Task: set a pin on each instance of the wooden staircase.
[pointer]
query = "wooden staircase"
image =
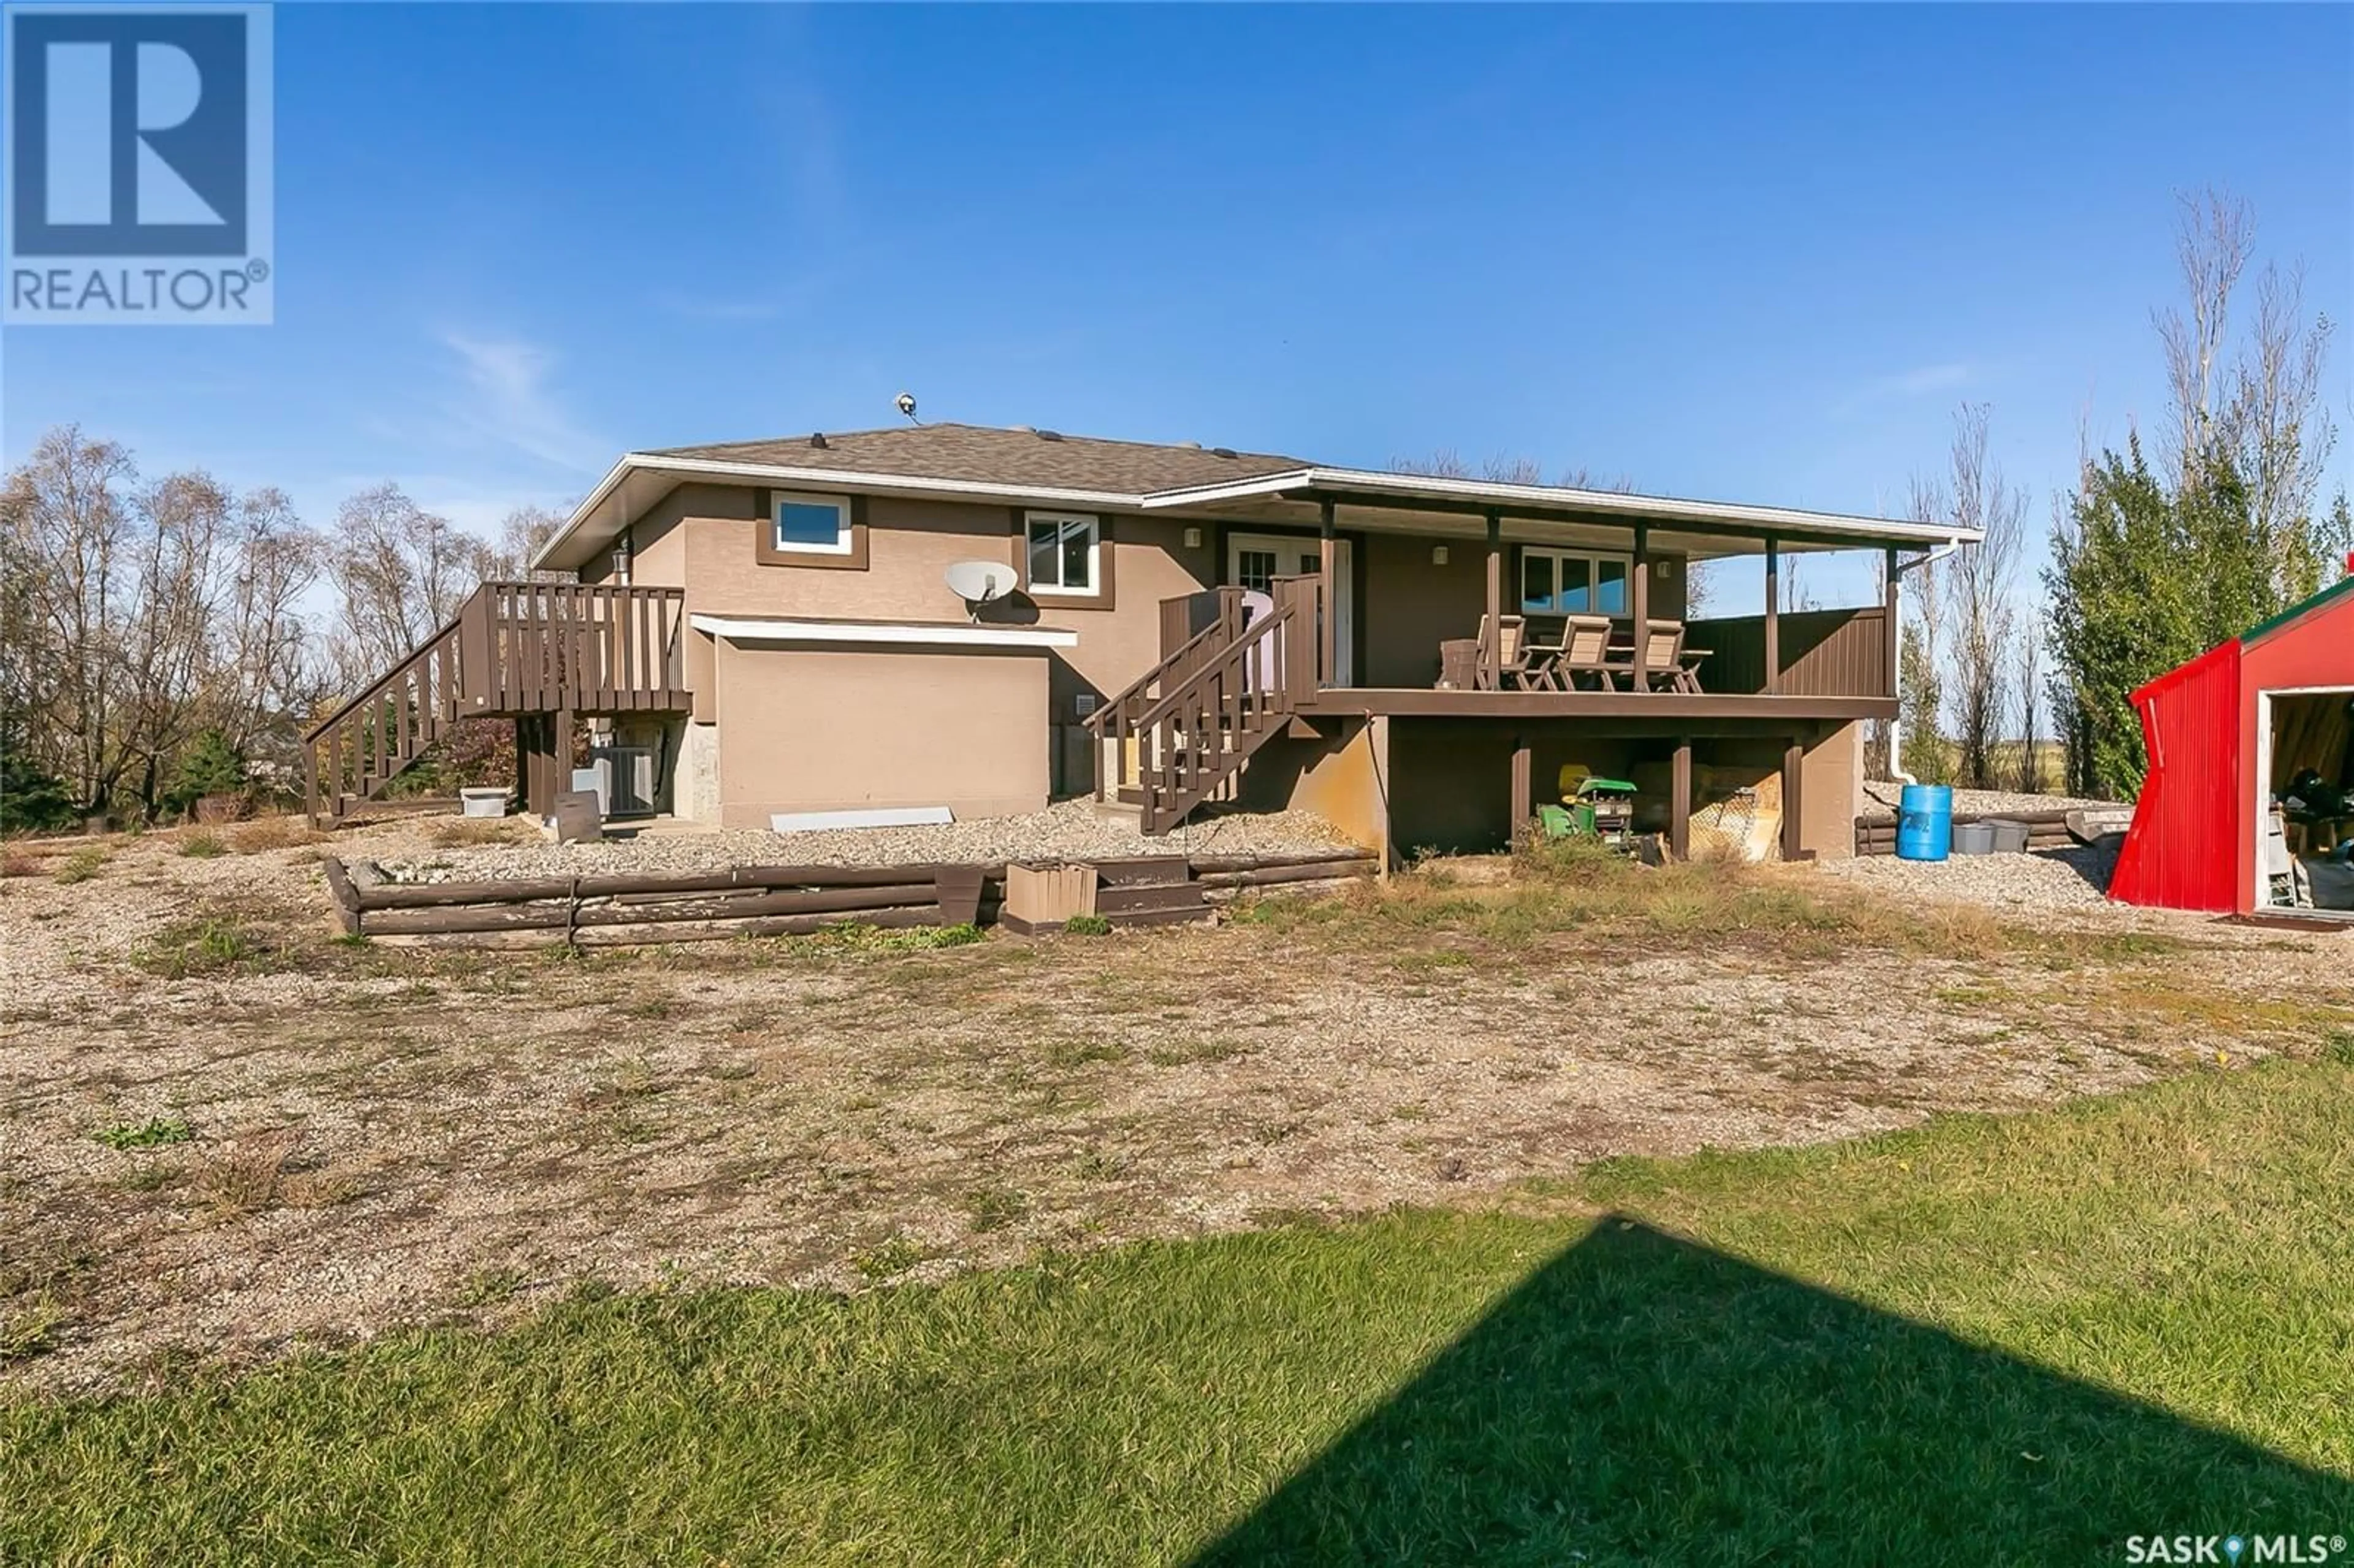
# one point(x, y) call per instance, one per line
point(515, 648)
point(1179, 734)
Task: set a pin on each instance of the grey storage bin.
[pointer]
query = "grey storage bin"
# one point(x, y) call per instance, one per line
point(2010, 837)
point(1973, 838)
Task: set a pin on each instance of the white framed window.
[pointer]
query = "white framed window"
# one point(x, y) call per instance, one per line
point(810, 524)
point(1574, 582)
point(1066, 552)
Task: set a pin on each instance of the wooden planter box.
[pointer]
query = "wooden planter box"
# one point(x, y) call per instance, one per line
point(1041, 896)
point(1147, 890)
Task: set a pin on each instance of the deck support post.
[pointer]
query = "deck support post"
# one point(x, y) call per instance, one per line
point(1773, 614)
point(1793, 763)
point(1491, 629)
point(1888, 631)
point(560, 755)
point(1638, 605)
point(1328, 609)
point(1680, 803)
point(1522, 808)
point(525, 779)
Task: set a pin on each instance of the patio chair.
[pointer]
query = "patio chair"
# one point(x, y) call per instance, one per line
point(1584, 651)
point(1661, 651)
point(1511, 648)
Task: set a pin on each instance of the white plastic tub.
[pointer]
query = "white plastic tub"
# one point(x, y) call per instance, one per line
point(482, 802)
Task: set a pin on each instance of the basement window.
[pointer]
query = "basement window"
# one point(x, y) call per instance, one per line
point(1064, 552)
point(811, 524)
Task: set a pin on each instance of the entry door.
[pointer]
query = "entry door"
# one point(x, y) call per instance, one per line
point(1256, 560)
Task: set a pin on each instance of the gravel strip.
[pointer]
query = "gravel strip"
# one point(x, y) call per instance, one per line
point(1072, 830)
point(2046, 879)
point(1884, 792)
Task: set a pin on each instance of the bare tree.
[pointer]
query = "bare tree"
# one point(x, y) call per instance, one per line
point(1797, 597)
point(399, 572)
point(1921, 684)
point(1446, 463)
point(2257, 414)
point(70, 525)
point(2277, 430)
point(268, 655)
point(175, 607)
point(2214, 236)
point(2028, 684)
point(522, 535)
point(1981, 584)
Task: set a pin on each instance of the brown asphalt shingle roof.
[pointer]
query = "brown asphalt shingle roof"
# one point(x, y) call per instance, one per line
point(984, 454)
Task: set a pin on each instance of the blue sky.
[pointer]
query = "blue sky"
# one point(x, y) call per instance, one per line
point(1755, 254)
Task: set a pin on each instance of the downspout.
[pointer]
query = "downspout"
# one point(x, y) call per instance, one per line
point(1896, 725)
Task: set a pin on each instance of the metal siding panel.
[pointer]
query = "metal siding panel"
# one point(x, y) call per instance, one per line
point(2182, 851)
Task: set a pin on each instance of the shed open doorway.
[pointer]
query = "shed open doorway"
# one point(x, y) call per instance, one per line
point(2305, 809)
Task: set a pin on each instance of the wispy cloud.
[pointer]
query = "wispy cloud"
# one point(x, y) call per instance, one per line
point(1925, 378)
point(1920, 381)
point(504, 396)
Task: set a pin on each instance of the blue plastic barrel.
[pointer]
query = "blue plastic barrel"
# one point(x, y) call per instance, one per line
point(1925, 822)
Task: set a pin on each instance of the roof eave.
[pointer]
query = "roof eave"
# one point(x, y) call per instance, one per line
point(559, 546)
point(1506, 498)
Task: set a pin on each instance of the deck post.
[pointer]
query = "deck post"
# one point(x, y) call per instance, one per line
point(1773, 614)
point(1680, 803)
point(1794, 762)
point(1888, 635)
point(1329, 606)
point(1491, 629)
point(311, 782)
point(1522, 808)
point(523, 774)
point(559, 746)
point(1638, 605)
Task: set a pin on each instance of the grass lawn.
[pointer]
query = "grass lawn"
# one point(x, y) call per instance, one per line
point(1987, 1341)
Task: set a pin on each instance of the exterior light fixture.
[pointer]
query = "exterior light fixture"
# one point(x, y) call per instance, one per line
point(1438, 555)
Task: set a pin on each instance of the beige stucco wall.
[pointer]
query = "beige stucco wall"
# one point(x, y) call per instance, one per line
point(828, 728)
point(911, 545)
point(1343, 775)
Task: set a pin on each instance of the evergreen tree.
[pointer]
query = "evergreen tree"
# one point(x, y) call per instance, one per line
point(2128, 604)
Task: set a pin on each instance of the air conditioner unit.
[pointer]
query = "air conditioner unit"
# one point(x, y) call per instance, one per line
point(625, 780)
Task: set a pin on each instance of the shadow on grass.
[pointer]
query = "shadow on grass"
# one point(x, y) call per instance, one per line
point(1641, 1398)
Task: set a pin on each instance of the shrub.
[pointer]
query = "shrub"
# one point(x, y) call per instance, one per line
point(203, 846)
point(283, 831)
point(199, 947)
point(31, 801)
point(153, 1133)
point(1087, 925)
point(211, 766)
point(81, 865)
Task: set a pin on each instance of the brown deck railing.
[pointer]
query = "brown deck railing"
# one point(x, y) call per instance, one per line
point(1182, 730)
point(513, 648)
point(600, 648)
point(1824, 653)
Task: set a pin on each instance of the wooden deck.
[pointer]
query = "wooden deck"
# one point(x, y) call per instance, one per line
point(1669, 709)
point(540, 653)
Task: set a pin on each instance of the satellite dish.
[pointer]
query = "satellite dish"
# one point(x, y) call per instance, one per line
point(978, 582)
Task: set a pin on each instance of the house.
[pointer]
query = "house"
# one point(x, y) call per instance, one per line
point(2235, 736)
point(772, 621)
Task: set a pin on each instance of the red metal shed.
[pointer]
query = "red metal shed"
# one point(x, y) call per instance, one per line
point(2196, 834)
